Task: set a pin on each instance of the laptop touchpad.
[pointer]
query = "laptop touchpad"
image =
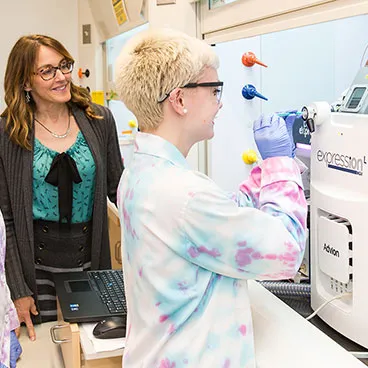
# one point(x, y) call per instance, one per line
point(75, 286)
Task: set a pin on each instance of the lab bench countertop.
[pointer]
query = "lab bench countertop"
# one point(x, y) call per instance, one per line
point(283, 339)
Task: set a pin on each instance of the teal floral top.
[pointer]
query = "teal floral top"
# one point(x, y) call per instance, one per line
point(45, 195)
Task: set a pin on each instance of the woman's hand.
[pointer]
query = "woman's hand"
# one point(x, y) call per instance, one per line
point(24, 307)
point(273, 136)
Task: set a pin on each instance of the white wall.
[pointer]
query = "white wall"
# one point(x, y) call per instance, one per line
point(90, 55)
point(55, 18)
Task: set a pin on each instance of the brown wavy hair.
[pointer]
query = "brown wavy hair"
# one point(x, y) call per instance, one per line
point(19, 72)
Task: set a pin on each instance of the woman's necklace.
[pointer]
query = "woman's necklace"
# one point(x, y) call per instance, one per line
point(59, 136)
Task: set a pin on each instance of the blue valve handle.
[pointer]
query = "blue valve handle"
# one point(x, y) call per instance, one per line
point(249, 92)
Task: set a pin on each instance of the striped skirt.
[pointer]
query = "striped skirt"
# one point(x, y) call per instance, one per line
point(58, 248)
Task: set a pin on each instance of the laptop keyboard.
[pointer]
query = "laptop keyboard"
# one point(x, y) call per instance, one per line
point(109, 284)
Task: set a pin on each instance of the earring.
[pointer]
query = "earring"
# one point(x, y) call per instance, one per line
point(185, 111)
point(28, 97)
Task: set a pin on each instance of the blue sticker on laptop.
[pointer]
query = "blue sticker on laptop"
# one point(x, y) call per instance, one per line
point(74, 307)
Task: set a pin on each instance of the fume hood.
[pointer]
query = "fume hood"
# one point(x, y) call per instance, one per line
point(113, 17)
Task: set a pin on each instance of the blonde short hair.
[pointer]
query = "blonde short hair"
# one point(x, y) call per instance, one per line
point(152, 64)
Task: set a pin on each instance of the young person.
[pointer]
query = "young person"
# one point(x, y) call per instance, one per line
point(189, 249)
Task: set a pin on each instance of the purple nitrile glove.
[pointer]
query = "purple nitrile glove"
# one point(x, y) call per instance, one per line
point(272, 137)
point(289, 121)
point(15, 349)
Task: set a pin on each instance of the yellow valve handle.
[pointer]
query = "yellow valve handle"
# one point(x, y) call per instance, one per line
point(132, 123)
point(249, 157)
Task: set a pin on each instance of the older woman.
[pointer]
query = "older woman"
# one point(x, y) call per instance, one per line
point(189, 249)
point(59, 161)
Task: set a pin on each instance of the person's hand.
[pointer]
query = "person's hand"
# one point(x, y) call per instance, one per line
point(273, 136)
point(24, 307)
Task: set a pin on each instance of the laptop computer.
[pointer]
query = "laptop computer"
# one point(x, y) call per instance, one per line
point(89, 296)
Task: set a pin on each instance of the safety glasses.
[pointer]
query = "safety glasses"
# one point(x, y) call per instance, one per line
point(217, 89)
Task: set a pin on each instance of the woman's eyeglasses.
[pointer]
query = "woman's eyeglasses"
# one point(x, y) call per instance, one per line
point(217, 89)
point(48, 72)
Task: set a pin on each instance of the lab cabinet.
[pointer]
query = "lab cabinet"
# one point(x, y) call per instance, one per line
point(227, 14)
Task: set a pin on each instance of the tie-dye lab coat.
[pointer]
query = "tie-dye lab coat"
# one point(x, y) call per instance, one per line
point(189, 249)
point(8, 314)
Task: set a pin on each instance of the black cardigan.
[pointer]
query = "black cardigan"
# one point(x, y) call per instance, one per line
point(16, 198)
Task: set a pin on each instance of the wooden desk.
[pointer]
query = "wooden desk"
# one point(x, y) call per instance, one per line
point(67, 335)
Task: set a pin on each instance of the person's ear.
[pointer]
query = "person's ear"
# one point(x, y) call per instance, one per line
point(27, 87)
point(176, 100)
